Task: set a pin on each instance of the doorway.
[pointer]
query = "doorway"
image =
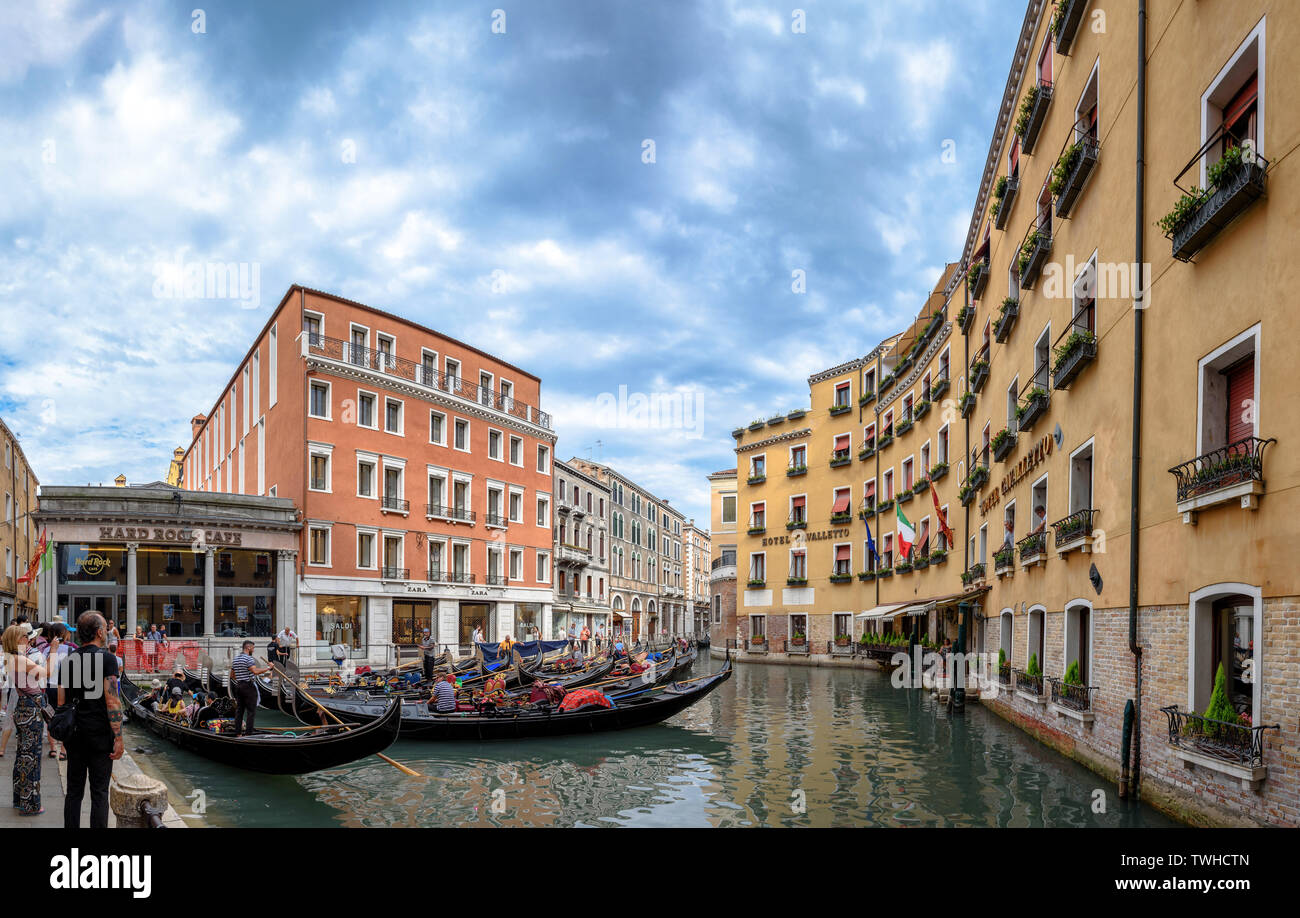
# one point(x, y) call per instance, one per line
point(410, 618)
point(472, 614)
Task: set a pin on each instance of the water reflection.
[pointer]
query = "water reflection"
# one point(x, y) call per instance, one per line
point(775, 746)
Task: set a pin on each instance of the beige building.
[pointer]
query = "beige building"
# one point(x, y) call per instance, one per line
point(18, 533)
point(722, 568)
point(1070, 382)
point(696, 553)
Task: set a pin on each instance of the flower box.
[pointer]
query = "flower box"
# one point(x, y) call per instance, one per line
point(866, 575)
point(967, 404)
point(738, 432)
point(977, 277)
point(1006, 319)
point(757, 425)
point(1001, 207)
point(885, 440)
point(845, 517)
point(965, 318)
point(1032, 408)
point(1065, 24)
point(756, 584)
point(979, 375)
point(1002, 443)
point(965, 494)
point(904, 426)
point(1071, 173)
point(939, 387)
point(794, 470)
point(885, 506)
point(756, 479)
point(757, 530)
point(795, 415)
point(938, 471)
point(1072, 356)
point(840, 461)
point(939, 556)
point(903, 567)
point(1202, 215)
point(922, 485)
point(866, 453)
point(841, 578)
point(920, 410)
point(866, 399)
point(1033, 255)
point(905, 496)
point(778, 419)
point(1029, 119)
point(885, 572)
point(796, 581)
point(837, 410)
point(797, 524)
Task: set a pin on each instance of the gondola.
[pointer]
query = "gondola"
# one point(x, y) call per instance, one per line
point(273, 753)
point(594, 671)
point(638, 710)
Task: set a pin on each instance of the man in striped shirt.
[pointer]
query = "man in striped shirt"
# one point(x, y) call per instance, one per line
point(242, 670)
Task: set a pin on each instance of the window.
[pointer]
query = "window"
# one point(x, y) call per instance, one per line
point(1045, 62)
point(1043, 358)
point(365, 550)
point(311, 324)
point(1081, 478)
point(544, 512)
point(516, 506)
point(485, 388)
point(889, 484)
point(318, 538)
point(437, 493)
point(907, 474)
point(437, 553)
point(543, 567)
point(1229, 393)
point(366, 410)
point(438, 428)
point(1013, 402)
point(798, 457)
point(758, 515)
point(1235, 101)
point(758, 466)
point(393, 415)
point(320, 469)
point(544, 460)
point(729, 508)
point(320, 400)
point(843, 392)
point(758, 566)
point(462, 435)
point(887, 553)
point(428, 367)
point(1086, 112)
point(798, 564)
point(1085, 297)
point(517, 564)
point(798, 509)
point(517, 454)
point(843, 559)
point(494, 445)
point(393, 490)
point(1078, 638)
point(453, 375)
point(841, 448)
point(366, 477)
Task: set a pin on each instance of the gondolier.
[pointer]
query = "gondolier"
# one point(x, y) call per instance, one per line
point(242, 670)
point(430, 648)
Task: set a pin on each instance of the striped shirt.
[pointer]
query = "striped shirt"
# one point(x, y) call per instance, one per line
point(444, 696)
point(241, 666)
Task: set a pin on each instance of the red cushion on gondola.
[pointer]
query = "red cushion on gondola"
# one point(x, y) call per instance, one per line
point(581, 697)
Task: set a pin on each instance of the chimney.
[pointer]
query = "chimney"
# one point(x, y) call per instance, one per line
point(196, 424)
point(120, 481)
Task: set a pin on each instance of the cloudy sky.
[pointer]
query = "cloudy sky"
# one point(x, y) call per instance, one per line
point(496, 185)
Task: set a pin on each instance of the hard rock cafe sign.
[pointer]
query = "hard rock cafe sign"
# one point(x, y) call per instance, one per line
point(158, 534)
point(1035, 456)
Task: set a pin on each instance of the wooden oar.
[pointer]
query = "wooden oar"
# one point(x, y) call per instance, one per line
point(303, 691)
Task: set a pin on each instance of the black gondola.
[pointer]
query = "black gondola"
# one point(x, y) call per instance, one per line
point(636, 710)
point(273, 753)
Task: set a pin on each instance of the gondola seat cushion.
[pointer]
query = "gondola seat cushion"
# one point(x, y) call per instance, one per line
point(582, 698)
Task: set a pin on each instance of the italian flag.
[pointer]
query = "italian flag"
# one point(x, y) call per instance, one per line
point(906, 534)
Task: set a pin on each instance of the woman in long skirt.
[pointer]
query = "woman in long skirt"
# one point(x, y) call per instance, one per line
point(27, 677)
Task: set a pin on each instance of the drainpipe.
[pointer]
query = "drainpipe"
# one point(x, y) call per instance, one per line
point(1134, 777)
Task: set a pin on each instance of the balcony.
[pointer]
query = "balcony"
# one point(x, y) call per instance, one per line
point(973, 574)
point(757, 644)
point(1032, 549)
point(979, 374)
point(1032, 407)
point(383, 367)
point(966, 404)
point(756, 479)
point(396, 573)
point(1004, 562)
point(1066, 23)
point(496, 520)
point(452, 514)
point(1006, 318)
point(1073, 167)
point(500, 580)
point(977, 277)
point(572, 554)
point(1032, 113)
point(1078, 350)
point(965, 319)
point(920, 409)
point(757, 526)
point(1074, 531)
point(837, 410)
point(391, 504)
point(1236, 750)
point(1034, 250)
point(1235, 181)
point(457, 577)
point(1030, 686)
point(940, 386)
point(938, 470)
point(1072, 700)
point(1229, 474)
point(1003, 442)
point(1003, 203)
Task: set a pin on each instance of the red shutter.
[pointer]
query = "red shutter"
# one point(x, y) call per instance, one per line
point(842, 442)
point(758, 508)
point(1244, 98)
point(1015, 156)
point(1241, 392)
point(841, 553)
point(841, 502)
point(798, 502)
point(871, 488)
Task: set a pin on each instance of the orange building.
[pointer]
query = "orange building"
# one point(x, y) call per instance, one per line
point(421, 467)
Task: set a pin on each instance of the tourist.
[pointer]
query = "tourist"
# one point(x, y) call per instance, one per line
point(242, 670)
point(155, 645)
point(585, 638)
point(175, 708)
point(478, 633)
point(227, 630)
point(176, 681)
point(26, 675)
point(1040, 520)
point(151, 700)
point(288, 644)
point(89, 680)
point(339, 654)
point(444, 695)
point(430, 648)
point(60, 633)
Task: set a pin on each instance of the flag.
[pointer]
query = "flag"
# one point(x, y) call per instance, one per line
point(871, 545)
point(938, 515)
point(36, 560)
point(906, 534)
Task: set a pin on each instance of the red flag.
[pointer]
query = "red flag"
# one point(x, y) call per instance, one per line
point(36, 560)
point(938, 514)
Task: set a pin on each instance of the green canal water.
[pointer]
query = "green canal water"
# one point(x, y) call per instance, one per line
point(775, 746)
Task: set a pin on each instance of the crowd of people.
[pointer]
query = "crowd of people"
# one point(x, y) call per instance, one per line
point(47, 669)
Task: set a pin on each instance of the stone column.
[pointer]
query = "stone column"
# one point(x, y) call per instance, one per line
point(284, 583)
point(132, 589)
point(209, 592)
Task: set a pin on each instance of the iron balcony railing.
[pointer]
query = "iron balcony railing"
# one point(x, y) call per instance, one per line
point(495, 580)
point(1034, 398)
point(1076, 161)
point(1078, 525)
point(1037, 114)
point(395, 503)
point(1032, 685)
point(1031, 545)
point(1240, 744)
point(495, 519)
point(1221, 468)
point(1004, 676)
point(1072, 696)
point(423, 374)
point(1075, 347)
point(396, 573)
point(449, 513)
point(1213, 208)
point(726, 559)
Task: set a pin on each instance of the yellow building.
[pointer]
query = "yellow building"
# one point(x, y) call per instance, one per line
point(18, 534)
point(1119, 344)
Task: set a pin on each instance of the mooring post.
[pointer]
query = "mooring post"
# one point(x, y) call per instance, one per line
point(959, 672)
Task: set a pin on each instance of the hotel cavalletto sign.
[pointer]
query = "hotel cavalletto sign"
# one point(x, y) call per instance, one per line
point(158, 534)
point(1035, 456)
point(807, 536)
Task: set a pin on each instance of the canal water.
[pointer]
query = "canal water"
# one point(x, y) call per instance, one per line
point(774, 746)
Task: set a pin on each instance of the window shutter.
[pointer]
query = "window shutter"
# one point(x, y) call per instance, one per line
point(842, 442)
point(1241, 389)
point(799, 502)
point(842, 553)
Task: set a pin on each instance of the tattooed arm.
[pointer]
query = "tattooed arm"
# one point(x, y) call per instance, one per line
point(114, 702)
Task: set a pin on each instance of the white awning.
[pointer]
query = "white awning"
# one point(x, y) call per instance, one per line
point(880, 611)
point(916, 608)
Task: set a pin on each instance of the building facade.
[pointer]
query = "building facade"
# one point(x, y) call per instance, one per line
point(421, 466)
point(647, 593)
point(722, 564)
point(1015, 407)
point(697, 549)
point(18, 532)
point(581, 551)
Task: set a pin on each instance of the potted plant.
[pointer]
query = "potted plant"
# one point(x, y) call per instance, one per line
point(1004, 558)
point(738, 432)
point(938, 556)
point(1033, 669)
point(1027, 250)
point(756, 584)
point(999, 192)
point(1073, 343)
point(758, 639)
point(1026, 111)
point(1065, 164)
point(966, 403)
point(965, 316)
point(866, 452)
point(796, 470)
point(757, 424)
point(798, 639)
point(840, 409)
point(866, 575)
point(1072, 674)
point(795, 414)
point(921, 408)
point(1029, 409)
point(1002, 442)
point(796, 581)
point(938, 471)
point(843, 640)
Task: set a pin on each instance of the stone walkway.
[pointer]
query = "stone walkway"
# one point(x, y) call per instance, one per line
point(54, 777)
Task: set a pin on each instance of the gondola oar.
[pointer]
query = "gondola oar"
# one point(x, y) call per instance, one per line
point(410, 771)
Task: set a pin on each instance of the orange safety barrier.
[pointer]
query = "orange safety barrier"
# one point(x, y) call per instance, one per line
point(159, 656)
